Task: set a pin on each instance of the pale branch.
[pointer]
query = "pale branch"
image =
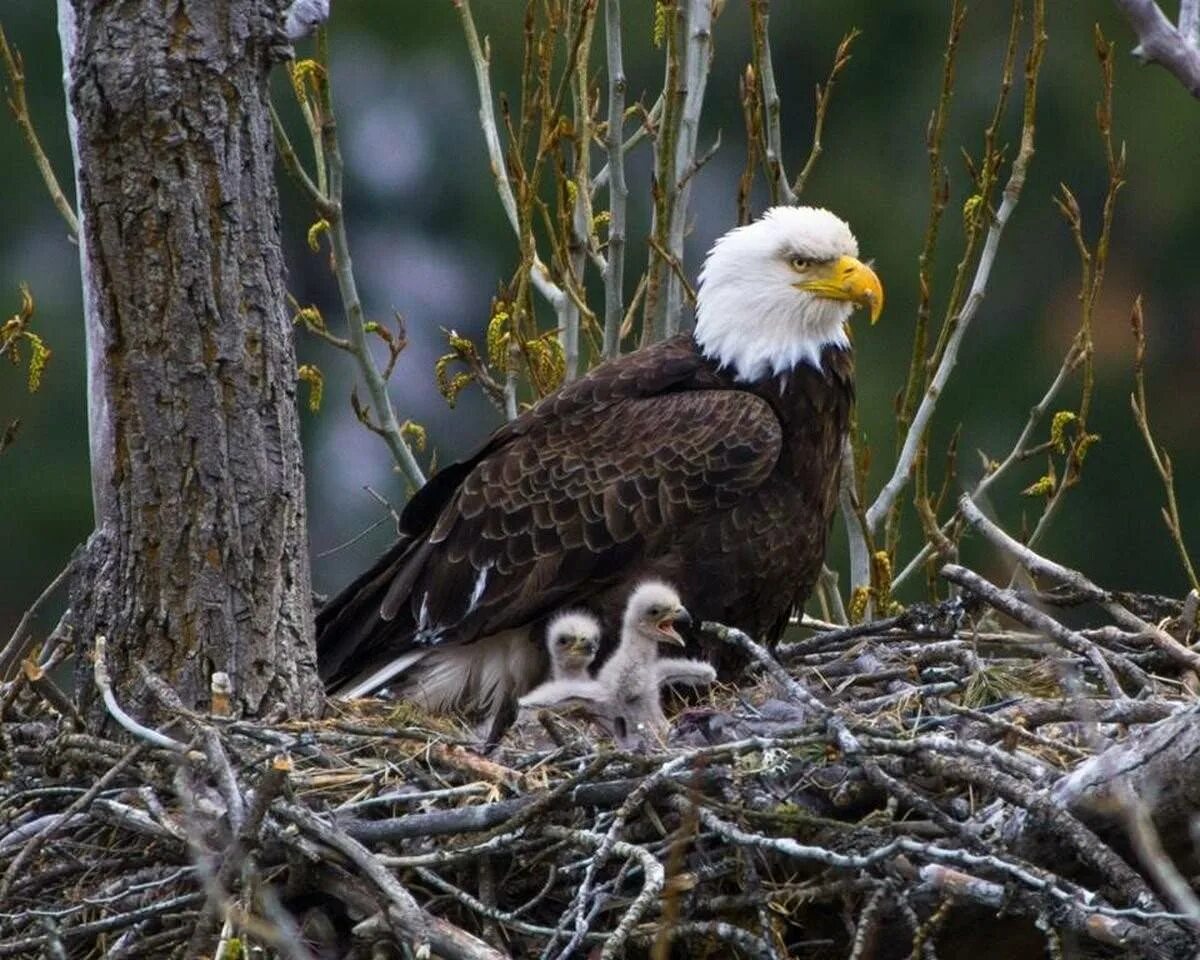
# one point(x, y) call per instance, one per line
point(117, 712)
point(15, 69)
point(580, 231)
point(389, 426)
point(665, 187)
point(539, 274)
point(1018, 452)
point(411, 917)
point(697, 61)
point(101, 425)
point(1189, 21)
point(653, 878)
point(645, 129)
point(291, 163)
point(777, 179)
point(1007, 602)
point(1176, 50)
point(828, 582)
point(1012, 193)
point(510, 380)
point(854, 520)
point(618, 192)
point(1038, 565)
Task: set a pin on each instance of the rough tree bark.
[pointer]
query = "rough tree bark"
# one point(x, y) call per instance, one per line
point(199, 560)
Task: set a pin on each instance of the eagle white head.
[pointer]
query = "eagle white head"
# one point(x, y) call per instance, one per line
point(651, 613)
point(774, 293)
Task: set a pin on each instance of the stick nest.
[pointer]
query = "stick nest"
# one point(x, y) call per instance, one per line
point(888, 790)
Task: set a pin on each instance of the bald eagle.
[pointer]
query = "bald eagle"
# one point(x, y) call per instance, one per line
point(709, 460)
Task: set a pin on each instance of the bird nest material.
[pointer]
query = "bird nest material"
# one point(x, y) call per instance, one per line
point(892, 789)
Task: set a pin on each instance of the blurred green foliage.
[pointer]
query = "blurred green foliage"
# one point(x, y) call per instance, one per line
point(431, 241)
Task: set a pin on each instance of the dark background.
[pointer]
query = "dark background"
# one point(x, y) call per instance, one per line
point(429, 240)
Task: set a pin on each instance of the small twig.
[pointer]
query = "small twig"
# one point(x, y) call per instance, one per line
point(824, 95)
point(538, 273)
point(18, 646)
point(777, 179)
point(676, 268)
point(411, 917)
point(1017, 452)
point(1036, 564)
point(1006, 602)
point(291, 162)
point(645, 129)
point(343, 267)
point(35, 843)
point(103, 681)
point(785, 680)
point(24, 947)
point(949, 357)
point(653, 877)
point(14, 67)
point(45, 687)
point(1162, 462)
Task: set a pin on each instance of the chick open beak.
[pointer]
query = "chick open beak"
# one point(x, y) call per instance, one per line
point(667, 627)
point(848, 278)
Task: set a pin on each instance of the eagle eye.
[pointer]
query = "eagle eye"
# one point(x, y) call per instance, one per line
point(799, 262)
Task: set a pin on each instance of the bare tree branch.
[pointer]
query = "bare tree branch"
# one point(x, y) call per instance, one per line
point(389, 426)
point(697, 59)
point(1189, 21)
point(1012, 194)
point(1176, 50)
point(614, 276)
point(540, 273)
point(14, 67)
point(777, 178)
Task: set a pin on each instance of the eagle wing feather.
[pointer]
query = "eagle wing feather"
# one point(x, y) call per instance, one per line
point(557, 505)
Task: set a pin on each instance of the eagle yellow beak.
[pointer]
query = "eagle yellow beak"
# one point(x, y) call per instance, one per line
point(848, 278)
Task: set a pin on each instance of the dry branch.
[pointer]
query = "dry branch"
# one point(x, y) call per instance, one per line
point(1177, 50)
point(589, 845)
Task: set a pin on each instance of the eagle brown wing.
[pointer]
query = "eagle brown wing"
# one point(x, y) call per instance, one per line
point(564, 509)
point(560, 504)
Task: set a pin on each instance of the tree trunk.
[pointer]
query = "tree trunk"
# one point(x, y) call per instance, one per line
point(199, 561)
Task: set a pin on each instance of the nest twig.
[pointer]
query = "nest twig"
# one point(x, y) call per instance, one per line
point(892, 776)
